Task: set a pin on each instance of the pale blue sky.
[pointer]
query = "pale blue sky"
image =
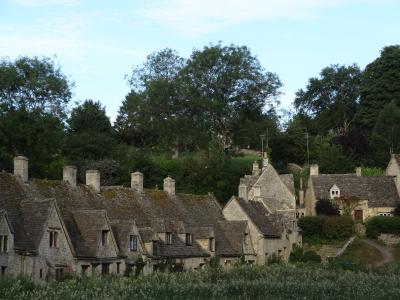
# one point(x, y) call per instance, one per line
point(98, 42)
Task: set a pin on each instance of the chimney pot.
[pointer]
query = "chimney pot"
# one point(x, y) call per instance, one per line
point(243, 191)
point(169, 186)
point(21, 164)
point(256, 168)
point(69, 175)
point(359, 171)
point(93, 179)
point(314, 170)
point(137, 181)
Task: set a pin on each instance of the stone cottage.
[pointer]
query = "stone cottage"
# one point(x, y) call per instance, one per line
point(50, 228)
point(267, 202)
point(361, 196)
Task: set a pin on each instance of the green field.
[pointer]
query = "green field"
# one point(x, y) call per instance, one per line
point(325, 281)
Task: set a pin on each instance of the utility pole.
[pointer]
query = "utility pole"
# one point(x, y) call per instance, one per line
point(308, 151)
point(262, 136)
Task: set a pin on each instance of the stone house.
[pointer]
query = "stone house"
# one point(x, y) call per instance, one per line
point(51, 228)
point(361, 196)
point(267, 202)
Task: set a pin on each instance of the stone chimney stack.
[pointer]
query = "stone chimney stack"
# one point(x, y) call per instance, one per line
point(243, 191)
point(257, 190)
point(301, 193)
point(314, 170)
point(69, 175)
point(93, 179)
point(256, 168)
point(358, 171)
point(265, 160)
point(169, 186)
point(21, 164)
point(137, 181)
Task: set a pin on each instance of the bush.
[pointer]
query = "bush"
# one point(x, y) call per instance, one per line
point(338, 227)
point(379, 224)
point(296, 255)
point(274, 259)
point(326, 208)
point(312, 257)
point(312, 225)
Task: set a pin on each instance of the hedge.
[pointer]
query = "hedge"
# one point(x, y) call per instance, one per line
point(327, 227)
point(380, 224)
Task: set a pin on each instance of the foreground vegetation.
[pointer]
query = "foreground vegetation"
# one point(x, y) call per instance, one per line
point(327, 281)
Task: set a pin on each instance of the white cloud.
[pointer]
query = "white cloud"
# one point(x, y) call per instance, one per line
point(44, 2)
point(193, 17)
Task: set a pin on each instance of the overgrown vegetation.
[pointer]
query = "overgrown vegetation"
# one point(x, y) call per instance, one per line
point(325, 229)
point(278, 281)
point(380, 224)
point(360, 253)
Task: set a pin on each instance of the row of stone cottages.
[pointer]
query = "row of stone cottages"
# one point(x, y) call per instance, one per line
point(50, 228)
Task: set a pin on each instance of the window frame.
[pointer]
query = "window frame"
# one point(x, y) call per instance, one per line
point(3, 243)
point(105, 237)
point(211, 244)
point(189, 239)
point(53, 238)
point(168, 238)
point(133, 241)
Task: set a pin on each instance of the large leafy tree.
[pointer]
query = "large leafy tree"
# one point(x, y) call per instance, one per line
point(379, 86)
point(225, 85)
point(332, 99)
point(89, 134)
point(33, 84)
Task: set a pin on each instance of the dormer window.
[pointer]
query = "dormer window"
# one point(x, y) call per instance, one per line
point(3, 243)
point(334, 192)
point(246, 238)
point(168, 238)
point(189, 239)
point(53, 238)
point(104, 237)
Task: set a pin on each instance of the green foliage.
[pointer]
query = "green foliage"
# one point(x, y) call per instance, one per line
point(326, 207)
point(90, 135)
point(278, 281)
point(33, 84)
point(311, 257)
point(311, 225)
point(365, 171)
point(274, 259)
point(338, 227)
point(380, 224)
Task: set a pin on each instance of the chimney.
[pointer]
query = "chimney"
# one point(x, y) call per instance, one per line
point(69, 175)
point(265, 160)
point(137, 181)
point(21, 167)
point(243, 191)
point(169, 186)
point(358, 171)
point(301, 198)
point(257, 190)
point(314, 170)
point(256, 168)
point(93, 179)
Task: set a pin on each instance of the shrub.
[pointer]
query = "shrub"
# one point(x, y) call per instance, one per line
point(379, 224)
point(274, 259)
point(312, 225)
point(326, 207)
point(296, 255)
point(312, 257)
point(338, 227)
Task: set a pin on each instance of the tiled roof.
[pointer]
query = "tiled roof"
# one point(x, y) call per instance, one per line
point(380, 191)
point(288, 180)
point(257, 213)
point(230, 239)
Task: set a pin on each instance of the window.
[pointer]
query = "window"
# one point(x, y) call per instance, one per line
point(105, 268)
point(3, 270)
point(118, 267)
point(188, 239)
point(246, 238)
point(168, 238)
point(155, 248)
point(41, 273)
point(3, 243)
point(104, 237)
point(211, 244)
point(133, 241)
point(53, 239)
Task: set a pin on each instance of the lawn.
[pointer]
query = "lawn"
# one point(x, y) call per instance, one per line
point(326, 281)
point(361, 253)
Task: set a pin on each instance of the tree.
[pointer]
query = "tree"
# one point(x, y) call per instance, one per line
point(225, 85)
point(89, 134)
point(385, 136)
point(326, 208)
point(332, 99)
point(33, 84)
point(379, 86)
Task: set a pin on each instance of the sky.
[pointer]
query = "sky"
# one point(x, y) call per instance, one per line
point(98, 42)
